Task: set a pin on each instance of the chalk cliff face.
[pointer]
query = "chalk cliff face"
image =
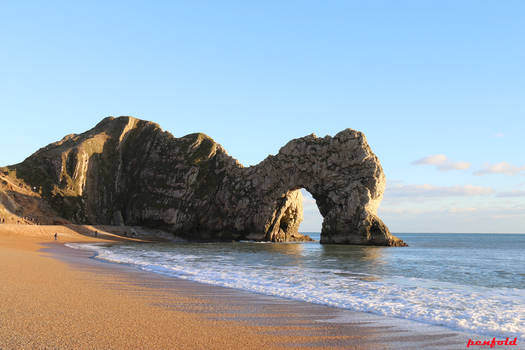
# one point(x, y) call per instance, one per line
point(130, 171)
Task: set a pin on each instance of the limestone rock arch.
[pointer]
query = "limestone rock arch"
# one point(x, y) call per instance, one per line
point(344, 177)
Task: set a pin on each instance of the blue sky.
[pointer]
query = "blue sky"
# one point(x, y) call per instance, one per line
point(442, 83)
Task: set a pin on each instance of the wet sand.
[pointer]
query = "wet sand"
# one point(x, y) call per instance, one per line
point(55, 297)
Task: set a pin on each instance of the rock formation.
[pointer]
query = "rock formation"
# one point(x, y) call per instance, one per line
point(130, 171)
point(19, 204)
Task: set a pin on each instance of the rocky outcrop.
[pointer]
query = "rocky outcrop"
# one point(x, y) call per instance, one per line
point(130, 171)
point(343, 175)
point(19, 204)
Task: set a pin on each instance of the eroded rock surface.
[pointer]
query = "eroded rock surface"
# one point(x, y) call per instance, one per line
point(129, 171)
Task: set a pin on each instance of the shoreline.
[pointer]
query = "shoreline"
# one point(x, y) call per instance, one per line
point(219, 317)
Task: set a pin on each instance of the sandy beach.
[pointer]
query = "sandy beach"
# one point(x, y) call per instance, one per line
point(55, 297)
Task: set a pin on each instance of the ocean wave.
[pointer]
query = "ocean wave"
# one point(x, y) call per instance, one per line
point(489, 311)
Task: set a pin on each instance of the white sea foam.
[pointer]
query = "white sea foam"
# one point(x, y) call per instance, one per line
point(490, 311)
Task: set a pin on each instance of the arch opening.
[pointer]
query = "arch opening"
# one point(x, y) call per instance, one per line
point(312, 219)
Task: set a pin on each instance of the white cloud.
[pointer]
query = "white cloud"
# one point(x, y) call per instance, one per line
point(461, 210)
point(499, 135)
point(514, 193)
point(487, 219)
point(501, 168)
point(386, 210)
point(426, 190)
point(442, 163)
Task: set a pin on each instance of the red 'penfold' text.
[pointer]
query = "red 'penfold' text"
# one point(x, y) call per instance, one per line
point(492, 343)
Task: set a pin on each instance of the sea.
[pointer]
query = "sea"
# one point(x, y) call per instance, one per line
point(467, 282)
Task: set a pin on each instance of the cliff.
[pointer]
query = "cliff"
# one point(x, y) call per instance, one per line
point(129, 171)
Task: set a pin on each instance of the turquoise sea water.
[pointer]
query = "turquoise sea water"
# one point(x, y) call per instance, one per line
point(469, 282)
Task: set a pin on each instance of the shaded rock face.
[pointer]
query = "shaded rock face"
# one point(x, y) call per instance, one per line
point(129, 171)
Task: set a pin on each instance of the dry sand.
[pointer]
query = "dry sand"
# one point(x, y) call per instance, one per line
point(53, 297)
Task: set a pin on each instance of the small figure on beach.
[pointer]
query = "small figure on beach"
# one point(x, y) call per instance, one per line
point(96, 233)
point(56, 235)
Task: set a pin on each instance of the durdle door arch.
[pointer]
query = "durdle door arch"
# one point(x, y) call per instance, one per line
point(344, 177)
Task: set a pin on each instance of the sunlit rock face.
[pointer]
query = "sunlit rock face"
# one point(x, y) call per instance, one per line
point(344, 177)
point(130, 171)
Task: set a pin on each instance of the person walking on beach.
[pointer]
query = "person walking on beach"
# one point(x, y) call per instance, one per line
point(56, 235)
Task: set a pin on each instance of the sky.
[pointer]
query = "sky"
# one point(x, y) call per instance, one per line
point(437, 87)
